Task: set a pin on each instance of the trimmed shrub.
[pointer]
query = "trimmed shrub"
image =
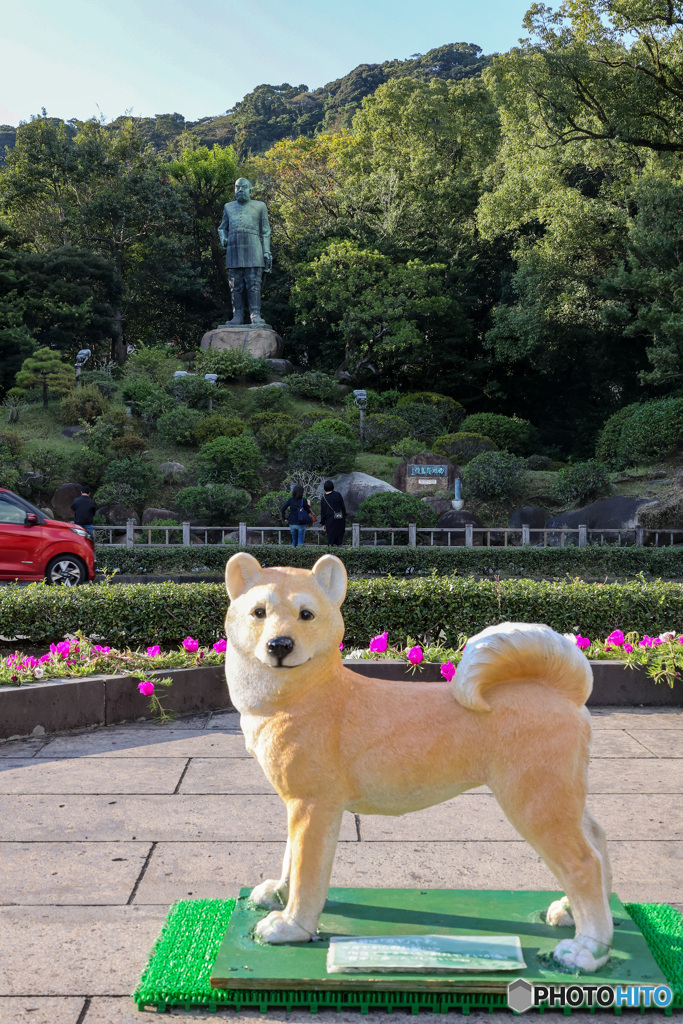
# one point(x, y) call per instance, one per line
point(102, 380)
point(461, 447)
point(323, 454)
point(641, 433)
point(154, 406)
point(47, 464)
point(11, 446)
point(271, 504)
point(221, 504)
point(426, 421)
point(582, 482)
point(452, 412)
point(274, 431)
point(394, 508)
point(312, 385)
point(270, 398)
point(540, 463)
point(407, 447)
point(333, 425)
point(494, 475)
point(215, 425)
point(383, 429)
point(83, 403)
point(129, 481)
point(138, 389)
point(311, 416)
point(192, 390)
point(507, 432)
point(231, 460)
point(178, 426)
point(231, 364)
point(129, 445)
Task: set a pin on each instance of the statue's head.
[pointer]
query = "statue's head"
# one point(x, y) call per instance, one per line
point(242, 190)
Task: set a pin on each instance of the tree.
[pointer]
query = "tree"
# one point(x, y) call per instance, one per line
point(45, 369)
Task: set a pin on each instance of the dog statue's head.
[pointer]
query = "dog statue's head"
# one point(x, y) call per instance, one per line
point(284, 618)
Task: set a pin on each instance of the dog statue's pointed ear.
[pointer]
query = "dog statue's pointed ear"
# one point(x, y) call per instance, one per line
point(330, 574)
point(241, 573)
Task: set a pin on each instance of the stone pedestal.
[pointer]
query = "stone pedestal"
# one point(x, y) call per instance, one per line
point(260, 342)
point(426, 474)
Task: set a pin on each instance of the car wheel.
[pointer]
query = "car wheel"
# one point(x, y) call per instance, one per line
point(66, 571)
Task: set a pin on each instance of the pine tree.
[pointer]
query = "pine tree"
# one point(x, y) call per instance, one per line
point(46, 369)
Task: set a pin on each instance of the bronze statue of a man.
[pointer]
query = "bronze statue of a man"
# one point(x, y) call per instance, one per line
point(245, 235)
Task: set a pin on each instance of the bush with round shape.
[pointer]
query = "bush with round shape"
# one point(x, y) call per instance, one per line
point(407, 447)
point(461, 447)
point(382, 429)
point(270, 398)
point(377, 401)
point(231, 364)
point(323, 454)
point(582, 482)
point(156, 364)
point(426, 421)
point(313, 384)
point(11, 446)
point(215, 425)
point(271, 504)
point(494, 476)
point(138, 389)
point(83, 403)
point(539, 463)
point(100, 379)
point(507, 432)
point(643, 432)
point(452, 412)
point(192, 390)
point(177, 426)
point(394, 508)
point(219, 503)
point(311, 416)
point(274, 431)
point(128, 480)
point(231, 460)
point(153, 408)
point(336, 426)
point(129, 445)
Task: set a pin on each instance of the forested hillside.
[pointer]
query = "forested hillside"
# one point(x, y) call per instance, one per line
point(503, 230)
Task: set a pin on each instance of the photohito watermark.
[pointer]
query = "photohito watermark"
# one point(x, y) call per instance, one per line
point(522, 996)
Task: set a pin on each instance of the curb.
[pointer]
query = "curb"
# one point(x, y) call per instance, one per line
point(61, 705)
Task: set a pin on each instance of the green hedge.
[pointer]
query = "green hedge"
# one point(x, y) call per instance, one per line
point(399, 561)
point(165, 613)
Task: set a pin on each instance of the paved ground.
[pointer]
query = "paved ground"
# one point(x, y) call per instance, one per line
point(101, 831)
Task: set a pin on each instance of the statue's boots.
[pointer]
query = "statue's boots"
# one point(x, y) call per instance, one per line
point(254, 294)
point(237, 316)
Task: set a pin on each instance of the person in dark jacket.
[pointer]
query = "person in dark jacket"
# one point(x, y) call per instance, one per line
point(296, 514)
point(333, 515)
point(83, 509)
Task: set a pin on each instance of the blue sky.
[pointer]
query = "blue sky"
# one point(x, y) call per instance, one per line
point(77, 58)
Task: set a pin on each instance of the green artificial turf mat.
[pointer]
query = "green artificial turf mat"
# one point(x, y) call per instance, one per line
point(178, 973)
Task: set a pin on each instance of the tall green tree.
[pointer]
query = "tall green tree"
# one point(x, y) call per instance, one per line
point(45, 369)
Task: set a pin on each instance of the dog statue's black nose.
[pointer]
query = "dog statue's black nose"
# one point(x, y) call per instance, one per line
point(280, 646)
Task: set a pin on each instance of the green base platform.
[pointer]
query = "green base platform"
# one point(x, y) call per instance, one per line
point(207, 944)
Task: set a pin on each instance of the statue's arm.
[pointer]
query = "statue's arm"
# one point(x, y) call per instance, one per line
point(265, 238)
point(223, 227)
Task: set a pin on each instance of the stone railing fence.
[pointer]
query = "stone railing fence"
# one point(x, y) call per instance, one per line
point(411, 535)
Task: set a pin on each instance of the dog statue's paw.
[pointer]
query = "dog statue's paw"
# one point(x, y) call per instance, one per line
point(559, 914)
point(271, 895)
point(582, 953)
point(276, 929)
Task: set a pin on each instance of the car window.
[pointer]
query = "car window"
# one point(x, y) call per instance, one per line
point(11, 513)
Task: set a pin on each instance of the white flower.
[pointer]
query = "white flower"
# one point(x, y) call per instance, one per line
point(667, 636)
point(39, 672)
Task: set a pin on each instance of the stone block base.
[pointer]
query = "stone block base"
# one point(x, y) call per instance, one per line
point(261, 342)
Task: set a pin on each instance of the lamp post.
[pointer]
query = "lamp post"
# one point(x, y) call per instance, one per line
point(361, 399)
point(81, 359)
point(212, 378)
point(457, 502)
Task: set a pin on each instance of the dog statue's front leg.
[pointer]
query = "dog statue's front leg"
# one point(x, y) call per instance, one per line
point(273, 894)
point(313, 834)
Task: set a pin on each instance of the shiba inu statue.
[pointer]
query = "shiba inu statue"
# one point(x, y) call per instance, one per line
point(330, 740)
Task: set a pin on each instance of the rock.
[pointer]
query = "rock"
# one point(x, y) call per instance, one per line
point(115, 514)
point(149, 514)
point(261, 342)
point(425, 474)
point(47, 512)
point(172, 471)
point(355, 487)
point(439, 506)
point(458, 520)
point(530, 515)
point(71, 432)
point(281, 366)
point(618, 513)
point(62, 498)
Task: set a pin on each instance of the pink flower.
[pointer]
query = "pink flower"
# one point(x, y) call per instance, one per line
point(615, 639)
point(378, 644)
point(12, 658)
point(146, 687)
point(27, 663)
point(415, 655)
point(582, 642)
point(46, 657)
point(341, 647)
point(62, 648)
point(448, 670)
point(100, 650)
point(200, 655)
point(153, 651)
point(647, 641)
point(628, 648)
point(220, 646)
point(190, 645)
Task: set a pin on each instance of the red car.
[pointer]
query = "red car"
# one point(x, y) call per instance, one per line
point(33, 547)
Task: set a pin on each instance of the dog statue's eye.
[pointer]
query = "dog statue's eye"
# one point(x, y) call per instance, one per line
point(259, 613)
point(306, 615)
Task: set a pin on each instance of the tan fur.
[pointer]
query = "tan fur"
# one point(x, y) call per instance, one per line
point(330, 740)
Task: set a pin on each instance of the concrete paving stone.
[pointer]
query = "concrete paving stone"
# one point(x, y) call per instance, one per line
point(223, 775)
point(40, 1010)
point(41, 874)
point(59, 951)
point(637, 718)
point(147, 818)
point(192, 722)
point(647, 872)
point(20, 748)
point(620, 775)
point(92, 775)
point(229, 720)
point(124, 742)
point(611, 743)
point(662, 742)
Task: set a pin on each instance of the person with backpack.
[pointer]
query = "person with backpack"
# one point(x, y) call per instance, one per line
point(297, 514)
point(333, 515)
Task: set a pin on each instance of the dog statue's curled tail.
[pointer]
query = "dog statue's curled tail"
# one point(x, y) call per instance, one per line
point(330, 740)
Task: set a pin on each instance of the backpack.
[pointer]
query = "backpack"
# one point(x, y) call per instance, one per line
point(302, 515)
